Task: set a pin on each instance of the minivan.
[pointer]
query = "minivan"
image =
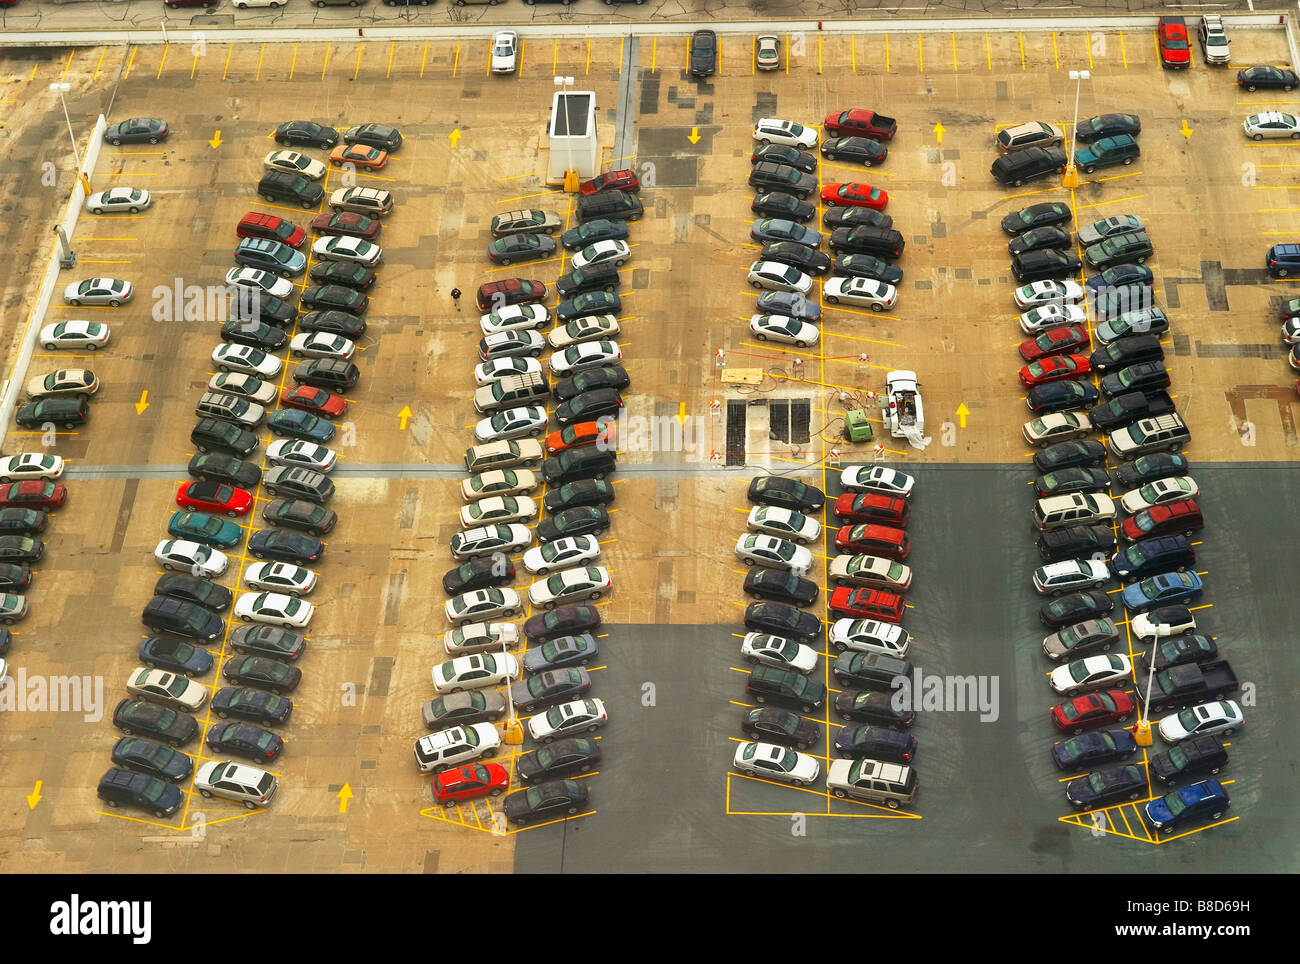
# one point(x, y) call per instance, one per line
point(856, 741)
point(1151, 556)
point(283, 186)
point(1077, 509)
point(884, 243)
point(603, 276)
point(511, 391)
point(118, 787)
point(298, 483)
point(785, 687)
point(873, 780)
point(872, 507)
point(230, 407)
point(1283, 260)
point(163, 614)
point(870, 636)
point(503, 455)
point(369, 201)
point(615, 205)
point(872, 670)
point(218, 435)
point(1149, 435)
point(1015, 169)
point(335, 374)
point(67, 412)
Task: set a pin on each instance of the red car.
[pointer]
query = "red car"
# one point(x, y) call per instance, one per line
point(509, 291)
point(346, 222)
point(1173, 518)
point(1054, 341)
point(215, 497)
point(315, 400)
point(33, 495)
point(854, 195)
point(359, 155)
point(1091, 711)
point(860, 123)
point(867, 604)
point(1175, 50)
point(581, 433)
point(468, 782)
point(1053, 368)
point(257, 225)
point(874, 540)
point(624, 180)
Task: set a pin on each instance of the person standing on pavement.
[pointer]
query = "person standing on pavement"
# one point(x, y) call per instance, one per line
point(455, 297)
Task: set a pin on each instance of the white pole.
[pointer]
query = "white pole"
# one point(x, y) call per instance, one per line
point(1078, 76)
point(71, 136)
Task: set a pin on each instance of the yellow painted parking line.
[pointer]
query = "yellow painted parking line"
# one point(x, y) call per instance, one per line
point(67, 65)
point(954, 51)
point(1123, 53)
point(99, 64)
point(391, 47)
point(853, 53)
point(886, 53)
point(325, 67)
point(988, 51)
point(920, 54)
point(1046, 190)
point(455, 63)
point(1118, 200)
point(1056, 51)
point(654, 55)
point(1116, 177)
point(356, 70)
point(1022, 50)
point(89, 261)
point(1272, 143)
point(129, 63)
point(424, 56)
point(1087, 42)
point(162, 63)
point(260, 55)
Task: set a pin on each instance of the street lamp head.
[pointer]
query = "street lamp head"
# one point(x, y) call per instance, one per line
point(61, 88)
point(1081, 75)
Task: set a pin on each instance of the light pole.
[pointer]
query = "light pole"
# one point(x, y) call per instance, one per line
point(570, 184)
point(62, 89)
point(1071, 178)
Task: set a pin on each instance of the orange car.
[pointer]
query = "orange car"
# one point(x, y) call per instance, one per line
point(359, 155)
point(581, 433)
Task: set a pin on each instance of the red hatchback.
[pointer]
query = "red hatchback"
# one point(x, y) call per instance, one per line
point(315, 400)
point(867, 604)
point(1173, 518)
point(1055, 341)
point(509, 291)
point(854, 195)
point(33, 495)
point(624, 180)
point(215, 497)
point(346, 222)
point(468, 782)
point(1053, 368)
point(256, 225)
point(581, 433)
point(1091, 711)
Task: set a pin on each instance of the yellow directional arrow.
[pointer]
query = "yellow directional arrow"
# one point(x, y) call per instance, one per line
point(216, 140)
point(962, 412)
point(344, 796)
point(694, 135)
point(1186, 131)
point(34, 797)
point(938, 132)
point(681, 414)
point(141, 405)
point(404, 414)
point(454, 136)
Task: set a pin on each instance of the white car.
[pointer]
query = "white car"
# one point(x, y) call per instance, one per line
point(498, 508)
point(321, 344)
point(1291, 331)
point(877, 478)
point(1069, 575)
point(259, 282)
point(498, 482)
point(512, 423)
point(1155, 624)
point(499, 368)
point(1038, 293)
point(486, 540)
point(561, 554)
point(783, 329)
point(775, 276)
point(784, 524)
point(773, 130)
point(510, 344)
point(247, 359)
point(29, 465)
point(476, 637)
point(578, 716)
point(280, 577)
point(586, 354)
point(291, 162)
point(774, 762)
point(168, 689)
point(1158, 493)
point(81, 335)
point(482, 604)
point(767, 52)
point(181, 555)
point(99, 291)
point(245, 386)
point(274, 609)
point(587, 328)
point(1040, 319)
point(1056, 427)
point(1272, 123)
point(251, 786)
point(874, 571)
point(603, 252)
point(515, 316)
point(119, 200)
point(505, 52)
point(1214, 41)
point(778, 651)
point(570, 585)
point(474, 671)
point(273, 4)
point(1090, 673)
point(1222, 717)
point(306, 455)
point(333, 247)
point(755, 549)
point(456, 746)
point(866, 292)
point(870, 636)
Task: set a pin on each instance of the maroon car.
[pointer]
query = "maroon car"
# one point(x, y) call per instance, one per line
point(1092, 711)
point(1055, 341)
point(346, 222)
point(33, 495)
point(509, 291)
point(624, 180)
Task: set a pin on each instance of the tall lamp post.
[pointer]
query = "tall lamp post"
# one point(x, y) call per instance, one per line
point(62, 89)
point(1071, 178)
point(570, 175)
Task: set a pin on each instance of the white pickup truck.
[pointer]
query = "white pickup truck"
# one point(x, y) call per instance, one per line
point(902, 412)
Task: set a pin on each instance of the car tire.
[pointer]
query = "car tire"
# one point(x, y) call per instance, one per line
point(892, 804)
point(1091, 169)
point(116, 142)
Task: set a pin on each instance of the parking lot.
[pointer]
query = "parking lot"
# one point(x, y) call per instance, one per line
point(1215, 202)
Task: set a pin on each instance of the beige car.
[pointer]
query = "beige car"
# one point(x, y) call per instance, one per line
point(363, 200)
point(498, 508)
point(874, 571)
point(291, 162)
point(1033, 134)
point(245, 386)
point(498, 482)
point(589, 328)
point(531, 221)
point(78, 382)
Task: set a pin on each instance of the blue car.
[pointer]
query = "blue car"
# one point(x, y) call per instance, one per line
point(1283, 260)
point(207, 529)
point(601, 229)
point(296, 423)
point(175, 656)
point(1162, 590)
point(1121, 276)
point(780, 229)
point(1061, 396)
point(273, 256)
point(1206, 799)
point(589, 303)
point(284, 546)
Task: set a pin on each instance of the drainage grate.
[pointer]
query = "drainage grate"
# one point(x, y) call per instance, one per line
point(735, 433)
point(778, 420)
point(800, 415)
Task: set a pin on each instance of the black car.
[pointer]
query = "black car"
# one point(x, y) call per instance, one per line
point(1124, 352)
point(772, 176)
point(589, 406)
point(590, 380)
point(152, 759)
point(771, 684)
point(784, 154)
point(244, 740)
point(780, 585)
point(858, 742)
point(267, 641)
point(563, 651)
point(782, 620)
point(345, 273)
point(1049, 264)
point(1267, 78)
point(1190, 758)
point(137, 130)
point(334, 297)
point(806, 259)
point(778, 204)
point(253, 705)
point(868, 266)
point(564, 621)
point(1106, 786)
point(21, 549)
point(1089, 749)
point(333, 374)
point(336, 322)
point(1075, 542)
point(1039, 239)
point(547, 801)
point(704, 53)
point(1109, 303)
point(550, 687)
point(150, 719)
point(589, 232)
point(268, 674)
point(786, 494)
point(1068, 455)
point(602, 276)
point(589, 303)
point(1067, 481)
point(838, 217)
point(557, 760)
point(571, 495)
point(14, 577)
point(1107, 125)
point(1075, 607)
point(6, 639)
point(175, 656)
point(216, 467)
point(864, 150)
point(790, 304)
point(258, 334)
point(1150, 468)
point(882, 242)
point(299, 514)
point(123, 788)
point(873, 706)
point(578, 521)
point(193, 589)
point(1147, 376)
point(1178, 651)
point(284, 546)
point(471, 706)
point(24, 522)
point(265, 307)
point(484, 572)
point(375, 135)
point(1042, 215)
point(162, 614)
point(1128, 408)
point(772, 725)
point(306, 134)
point(1060, 396)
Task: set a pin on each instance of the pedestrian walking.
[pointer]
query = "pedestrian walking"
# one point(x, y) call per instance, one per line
point(455, 297)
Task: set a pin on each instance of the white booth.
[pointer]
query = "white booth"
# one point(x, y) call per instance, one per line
point(573, 143)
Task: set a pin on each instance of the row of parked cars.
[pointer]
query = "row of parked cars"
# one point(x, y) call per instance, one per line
point(1076, 521)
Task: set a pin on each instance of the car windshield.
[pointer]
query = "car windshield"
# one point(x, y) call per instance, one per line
point(1174, 802)
point(1175, 43)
